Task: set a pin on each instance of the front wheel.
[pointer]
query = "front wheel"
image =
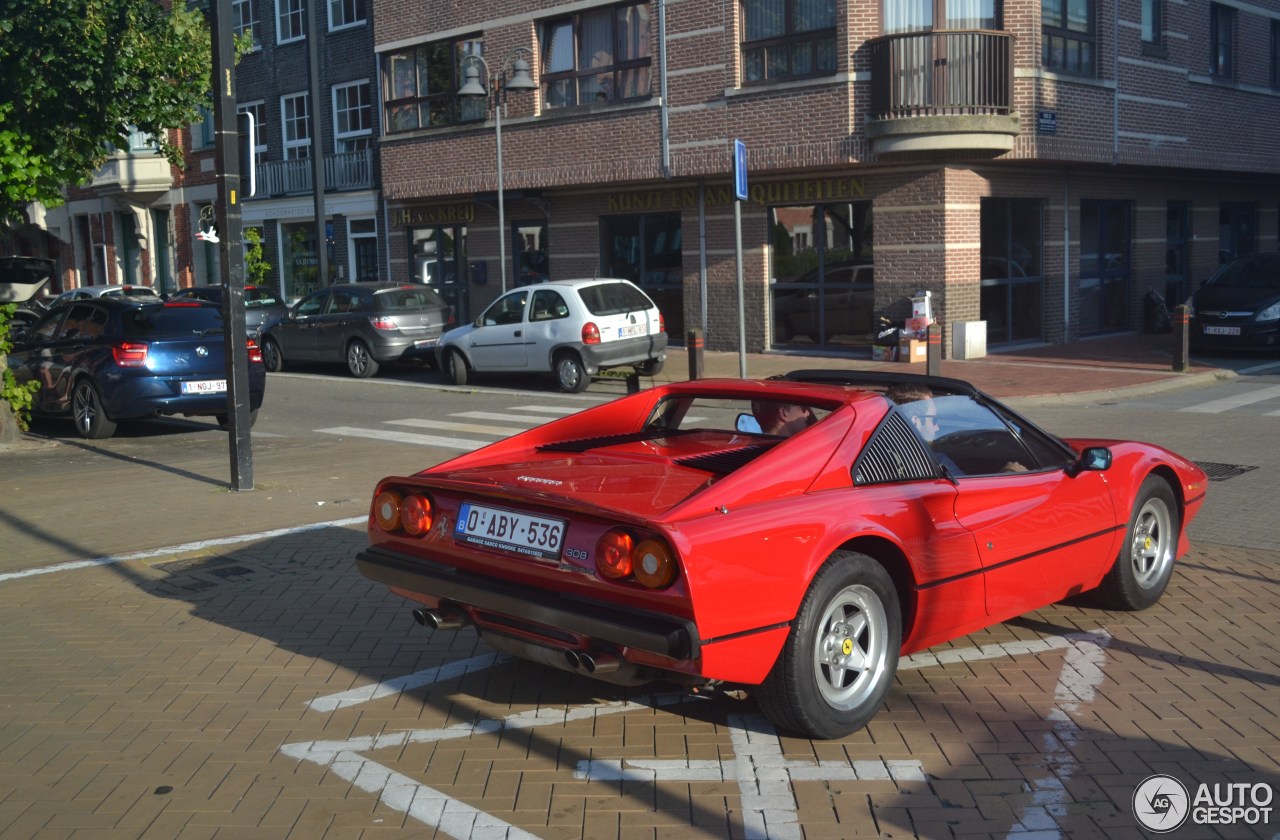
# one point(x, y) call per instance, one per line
point(360, 361)
point(455, 367)
point(571, 376)
point(1142, 571)
point(272, 358)
point(842, 653)
point(90, 417)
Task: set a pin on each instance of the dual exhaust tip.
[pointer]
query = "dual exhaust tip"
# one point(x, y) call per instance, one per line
point(438, 619)
point(586, 661)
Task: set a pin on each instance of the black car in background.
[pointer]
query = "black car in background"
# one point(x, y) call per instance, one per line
point(1239, 306)
point(362, 324)
point(261, 306)
point(103, 360)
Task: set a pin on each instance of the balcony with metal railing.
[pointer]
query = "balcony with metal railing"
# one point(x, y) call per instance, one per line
point(942, 91)
point(137, 169)
point(342, 172)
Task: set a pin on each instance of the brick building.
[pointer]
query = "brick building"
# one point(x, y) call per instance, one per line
point(1037, 165)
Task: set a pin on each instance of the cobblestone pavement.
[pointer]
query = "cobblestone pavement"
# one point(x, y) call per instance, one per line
point(266, 690)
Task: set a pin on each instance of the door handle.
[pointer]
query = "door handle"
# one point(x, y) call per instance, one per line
point(519, 333)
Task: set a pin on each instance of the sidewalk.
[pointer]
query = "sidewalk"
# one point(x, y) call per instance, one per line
point(1083, 371)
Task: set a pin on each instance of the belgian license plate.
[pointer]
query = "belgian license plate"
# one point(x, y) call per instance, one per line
point(1221, 330)
point(425, 342)
point(205, 386)
point(510, 531)
point(633, 329)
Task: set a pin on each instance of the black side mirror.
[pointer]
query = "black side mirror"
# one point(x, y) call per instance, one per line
point(1093, 459)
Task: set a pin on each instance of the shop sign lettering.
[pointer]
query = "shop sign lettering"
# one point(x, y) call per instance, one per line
point(443, 215)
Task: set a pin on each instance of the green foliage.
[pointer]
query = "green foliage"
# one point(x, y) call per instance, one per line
point(19, 397)
point(257, 271)
point(78, 75)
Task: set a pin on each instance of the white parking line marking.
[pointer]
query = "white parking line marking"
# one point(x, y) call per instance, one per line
point(406, 437)
point(180, 549)
point(446, 426)
point(447, 671)
point(1228, 403)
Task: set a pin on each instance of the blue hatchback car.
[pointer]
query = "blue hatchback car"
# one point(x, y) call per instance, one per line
point(102, 360)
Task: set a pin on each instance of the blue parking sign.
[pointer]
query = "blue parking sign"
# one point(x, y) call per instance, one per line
point(740, 169)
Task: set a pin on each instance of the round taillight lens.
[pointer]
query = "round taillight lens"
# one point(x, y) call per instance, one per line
point(386, 510)
point(590, 333)
point(415, 515)
point(653, 564)
point(613, 555)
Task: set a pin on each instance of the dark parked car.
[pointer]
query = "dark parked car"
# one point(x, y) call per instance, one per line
point(107, 359)
point(363, 324)
point(261, 306)
point(1239, 306)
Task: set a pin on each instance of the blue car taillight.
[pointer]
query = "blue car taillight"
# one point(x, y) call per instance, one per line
point(130, 354)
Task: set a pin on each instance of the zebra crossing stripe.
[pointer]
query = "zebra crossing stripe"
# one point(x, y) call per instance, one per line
point(495, 415)
point(446, 426)
point(547, 409)
point(1228, 403)
point(406, 437)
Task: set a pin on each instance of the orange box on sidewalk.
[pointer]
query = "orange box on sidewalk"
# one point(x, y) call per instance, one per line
point(912, 350)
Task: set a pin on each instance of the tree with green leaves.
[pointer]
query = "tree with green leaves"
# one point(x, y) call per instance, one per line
point(79, 76)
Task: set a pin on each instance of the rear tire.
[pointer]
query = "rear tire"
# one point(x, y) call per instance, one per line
point(571, 376)
point(455, 367)
point(92, 422)
point(652, 367)
point(360, 361)
point(272, 358)
point(841, 656)
point(1142, 571)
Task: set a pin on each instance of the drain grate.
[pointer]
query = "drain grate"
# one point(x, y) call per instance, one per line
point(1221, 472)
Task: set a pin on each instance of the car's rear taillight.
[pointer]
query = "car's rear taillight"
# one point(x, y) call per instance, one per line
point(255, 352)
point(662, 323)
point(590, 333)
point(174, 304)
point(130, 354)
point(383, 324)
point(649, 562)
point(411, 513)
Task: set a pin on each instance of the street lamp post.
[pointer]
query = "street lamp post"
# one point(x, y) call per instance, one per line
point(494, 90)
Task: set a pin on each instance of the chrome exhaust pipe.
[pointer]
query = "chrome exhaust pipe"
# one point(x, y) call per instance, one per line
point(572, 659)
point(599, 662)
point(433, 620)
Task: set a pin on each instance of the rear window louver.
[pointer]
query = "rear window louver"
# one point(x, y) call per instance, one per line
point(723, 463)
point(894, 453)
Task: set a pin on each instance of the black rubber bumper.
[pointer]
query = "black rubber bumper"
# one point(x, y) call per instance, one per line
point(645, 630)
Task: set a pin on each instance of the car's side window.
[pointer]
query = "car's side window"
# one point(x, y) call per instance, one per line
point(78, 323)
point(312, 305)
point(46, 329)
point(506, 310)
point(547, 306)
point(343, 301)
point(969, 438)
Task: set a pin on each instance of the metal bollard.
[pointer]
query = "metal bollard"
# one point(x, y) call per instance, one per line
point(933, 351)
point(633, 383)
point(1181, 339)
point(693, 343)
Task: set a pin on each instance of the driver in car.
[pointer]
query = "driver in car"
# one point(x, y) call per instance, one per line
point(925, 418)
point(781, 418)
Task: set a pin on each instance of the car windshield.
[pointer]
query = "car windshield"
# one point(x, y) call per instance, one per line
point(614, 299)
point(407, 298)
point(1260, 271)
point(777, 417)
point(150, 322)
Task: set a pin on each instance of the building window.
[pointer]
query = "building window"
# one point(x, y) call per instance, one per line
point(597, 56)
point(1010, 296)
point(1068, 36)
point(822, 275)
point(1237, 230)
point(290, 21)
point(1222, 36)
point(352, 117)
point(420, 86)
point(295, 120)
point(259, 111)
point(1275, 53)
point(1177, 239)
point(646, 249)
point(788, 39)
point(531, 253)
point(1152, 23)
point(1105, 248)
point(202, 132)
point(244, 18)
point(344, 13)
point(919, 15)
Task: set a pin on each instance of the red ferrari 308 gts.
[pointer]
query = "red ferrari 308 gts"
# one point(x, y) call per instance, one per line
point(796, 535)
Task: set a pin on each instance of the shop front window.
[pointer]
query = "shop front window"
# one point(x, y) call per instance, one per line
point(647, 250)
point(821, 278)
point(1010, 296)
point(1105, 243)
point(300, 264)
point(531, 253)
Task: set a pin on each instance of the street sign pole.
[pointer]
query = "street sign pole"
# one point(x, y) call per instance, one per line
point(230, 248)
point(740, 195)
